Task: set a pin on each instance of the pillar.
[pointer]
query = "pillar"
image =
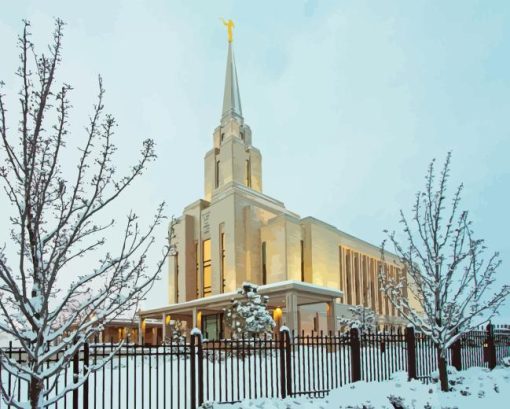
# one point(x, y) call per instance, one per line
point(331, 316)
point(291, 312)
point(140, 332)
point(163, 327)
point(195, 319)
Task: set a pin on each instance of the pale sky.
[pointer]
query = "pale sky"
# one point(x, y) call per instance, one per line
point(348, 100)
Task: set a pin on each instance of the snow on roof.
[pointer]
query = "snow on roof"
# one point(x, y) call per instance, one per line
point(289, 285)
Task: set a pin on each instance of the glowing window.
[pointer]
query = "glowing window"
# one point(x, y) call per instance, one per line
point(206, 265)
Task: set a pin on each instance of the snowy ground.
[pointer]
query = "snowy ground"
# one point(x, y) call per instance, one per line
point(473, 388)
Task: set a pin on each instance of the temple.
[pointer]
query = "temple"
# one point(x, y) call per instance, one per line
point(310, 270)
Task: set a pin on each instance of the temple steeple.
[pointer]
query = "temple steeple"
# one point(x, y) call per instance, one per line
point(231, 97)
point(233, 162)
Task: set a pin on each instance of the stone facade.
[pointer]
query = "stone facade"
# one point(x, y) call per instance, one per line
point(237, 233)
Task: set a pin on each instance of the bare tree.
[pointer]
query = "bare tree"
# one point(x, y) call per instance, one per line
point(449, 278)
point(361, 317)
point(56, 222)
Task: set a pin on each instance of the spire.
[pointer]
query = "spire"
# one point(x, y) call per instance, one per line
point(231, 97)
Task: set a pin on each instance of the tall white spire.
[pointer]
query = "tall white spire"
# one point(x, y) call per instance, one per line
point(231, 97)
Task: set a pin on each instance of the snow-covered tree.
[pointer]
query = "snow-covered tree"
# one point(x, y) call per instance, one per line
point(176, 336)
point(50, 303)
point(249, 317)
point(361, 317)
point(449, 283)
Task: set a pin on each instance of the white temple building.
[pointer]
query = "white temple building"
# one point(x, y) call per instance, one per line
point(310, 270)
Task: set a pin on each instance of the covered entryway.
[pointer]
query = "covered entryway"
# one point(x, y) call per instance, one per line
point(291, 303)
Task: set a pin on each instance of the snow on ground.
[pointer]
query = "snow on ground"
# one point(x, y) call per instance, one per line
point(472, 388)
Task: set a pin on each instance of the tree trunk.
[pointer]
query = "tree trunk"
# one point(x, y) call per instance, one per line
point(36, 388)
point(443, 372)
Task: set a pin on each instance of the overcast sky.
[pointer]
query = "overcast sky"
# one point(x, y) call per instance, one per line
point(348, 100)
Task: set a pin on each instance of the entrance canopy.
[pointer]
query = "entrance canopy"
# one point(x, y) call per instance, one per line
point(284, 296)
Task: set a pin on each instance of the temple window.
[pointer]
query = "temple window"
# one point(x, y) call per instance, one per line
point(217, 174)
point(206, 265)
point(264, 267)
point(302, 260)
point(248, 173)
point(222, 259)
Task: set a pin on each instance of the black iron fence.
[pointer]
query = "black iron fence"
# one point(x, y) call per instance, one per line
point(226, 371)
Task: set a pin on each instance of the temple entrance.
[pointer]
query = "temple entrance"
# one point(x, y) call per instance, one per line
point(212, 326)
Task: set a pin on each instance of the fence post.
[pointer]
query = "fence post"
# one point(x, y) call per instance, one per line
point(76, 371)
point(86, 368)
point(411, 352)
point(288, 369)
point(283, 383)
point(200, 382)
point(192, 372)
point(456, 354)
point(491, 346)
point(355, 355)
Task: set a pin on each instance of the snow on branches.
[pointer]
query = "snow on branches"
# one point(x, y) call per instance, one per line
point(57, 221)
point(448, 286)
point(361, 317)
point(249, 317)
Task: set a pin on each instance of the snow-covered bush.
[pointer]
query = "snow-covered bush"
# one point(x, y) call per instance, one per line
point(249, 317)
point(176, 336)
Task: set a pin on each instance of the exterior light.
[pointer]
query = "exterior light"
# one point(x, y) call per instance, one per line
point(277, 315)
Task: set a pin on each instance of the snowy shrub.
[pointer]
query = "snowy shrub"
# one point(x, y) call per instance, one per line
point(249, 317)
point(397, 402)
point(176, 334)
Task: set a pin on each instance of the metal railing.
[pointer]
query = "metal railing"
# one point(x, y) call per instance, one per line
point(185, 375)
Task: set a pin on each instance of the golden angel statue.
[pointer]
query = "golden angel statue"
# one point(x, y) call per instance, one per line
point(230, 28)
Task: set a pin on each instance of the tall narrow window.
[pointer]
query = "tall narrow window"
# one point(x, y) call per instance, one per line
point(386, 304)
point(340, 268)
point(380, 295)
point(365, 280)
point(197, 270)
point(222, 261)
point(176, 274)
point(248, 172)
point(357, 278)
point(206, 265)
point(217, 174)
point(264, 267)
point(302, 260)
point(348, 274)
point(392, 274)
point(372, 284)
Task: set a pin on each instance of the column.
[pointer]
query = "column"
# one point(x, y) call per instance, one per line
point(140, 330)
point(163, 327)
point(291, 312)
point(331, 316)
point(195, 319)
